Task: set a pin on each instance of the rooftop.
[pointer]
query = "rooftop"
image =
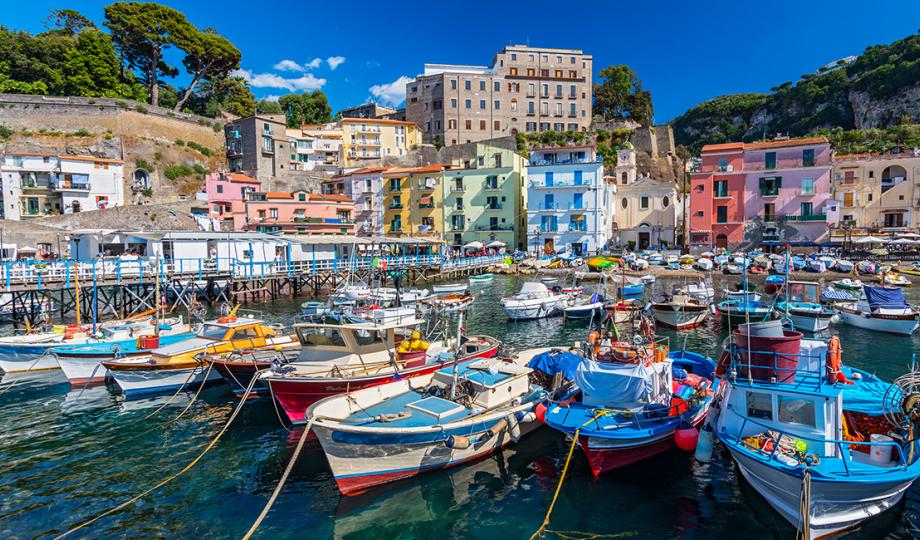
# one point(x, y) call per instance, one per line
point(376, 121)
point(764, 144)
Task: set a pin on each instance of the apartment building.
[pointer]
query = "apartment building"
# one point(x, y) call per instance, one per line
point(484, 199)
point(298, 212)
point(37, 185)
point(878, 191)
point(764, 191)
point(368, 110)
point(526, 89)
point(258, 146)
point(396, 196)
point(365, 188)
point(569, 203)
point(376, 138)
point(226, 193)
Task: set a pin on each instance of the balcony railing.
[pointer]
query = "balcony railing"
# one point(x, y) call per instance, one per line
point(426, 206)
point(807, 217)
point(395, 206)
point(549, 228)
point(548, 206)
point(566, 161)
point(66, 186)
point(497, 206)
point(769, 192)
point(493, 228)
point(458, 189)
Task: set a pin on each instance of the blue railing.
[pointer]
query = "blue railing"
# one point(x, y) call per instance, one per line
point(770, 361)
point(842, 446)
point(116, 270)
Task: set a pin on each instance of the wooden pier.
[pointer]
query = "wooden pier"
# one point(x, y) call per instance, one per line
point(114, 288)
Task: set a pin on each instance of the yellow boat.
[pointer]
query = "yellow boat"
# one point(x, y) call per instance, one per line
point(599, 263)
point(177, 365)
point(910, 270)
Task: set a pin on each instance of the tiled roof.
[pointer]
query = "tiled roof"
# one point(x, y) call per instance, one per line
point(329, 197)
point(763, 145)
point(278, 195)
point(236, 177)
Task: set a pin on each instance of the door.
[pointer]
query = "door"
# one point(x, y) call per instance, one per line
point(549, 247)
point(769, 212)
point(645, 239)
point(849, 200)
point(721, 241)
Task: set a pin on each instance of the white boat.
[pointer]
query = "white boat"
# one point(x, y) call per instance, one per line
point(829, 262)
point(848, 284)
point(867, 267)
point(535, 301)
point(880, 309)
point(679, 312)
point(740, 295)
point(481, 279)
point(895, 279)
point(844, 266)
point(449, 303)
point(388, 316)
point(401, 429)
point(732, 269)
point(388, 295)
point(703, 264)
point(648, 279)
point(800, 302)
point(701, 291)
point(814, 265)
point(585, 307)
point(449, 288)
point(639, 264)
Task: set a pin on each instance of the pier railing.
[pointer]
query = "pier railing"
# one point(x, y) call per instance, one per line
point(68, 272)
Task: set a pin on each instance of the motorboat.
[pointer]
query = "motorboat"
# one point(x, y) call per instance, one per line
point(880, 309)
point(729, 294)
point(628, 286)
point(796, 420)
point(314, 309)
point(701, 291)
point(82, 364)
point(448, 288)
point(630, 409)
point(381, 315)
point(639, 265)
point(848, 284)
point(648, 279)
point(741, 310)
point(442, 419)
point(481, 279)
point(177, 365)
point(534, 301)
point(585, 307)
point(392, 296)
point(679, 311)
point(831, 295)
point(656, 258)
point(703, 264)
point(31, 351)
point(894, 279)
point(844, 266)
point(450, 302)
point(800, 302)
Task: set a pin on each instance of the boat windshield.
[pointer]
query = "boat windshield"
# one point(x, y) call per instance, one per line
point(212, 331)
point(803, 292)
point(312, 336)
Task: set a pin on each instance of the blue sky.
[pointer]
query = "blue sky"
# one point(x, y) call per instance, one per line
point(684, 52)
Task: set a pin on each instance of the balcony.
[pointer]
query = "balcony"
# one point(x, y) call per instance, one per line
point(769, 218)
point(769, 191)
point(490, 187)
point(426, 206)
point(393, 188)
point(69, 185)
point(395, 206)
point(807, 217)
point(494, 228)
point(457, 189)
point(395, 229)
point(426, 187)
point(548, 206)
point(457, 227)
point(493, 207)
point(549, 229)
point(457, 210)
point(566, 161)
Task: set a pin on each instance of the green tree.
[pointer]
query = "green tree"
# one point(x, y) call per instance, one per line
point(142, 32)
point(268, 106)
point(307, 108)
point(91, 68)
point(208, 56)
point(230, 94)
point(67, 21)
point(619, 95)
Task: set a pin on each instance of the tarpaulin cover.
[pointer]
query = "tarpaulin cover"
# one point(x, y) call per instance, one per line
point(553, 362)
point(877, 297)
point(624, 386)
point(867, 395)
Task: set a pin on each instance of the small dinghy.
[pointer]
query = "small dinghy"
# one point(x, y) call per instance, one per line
point(481, 279)
point(848, 284)
point(741, 310)
point(701, 291)
point(844, 266)
point(800, 302)
point(534, 301)
point(448, 288)
point(585, 308)
point(450, 302)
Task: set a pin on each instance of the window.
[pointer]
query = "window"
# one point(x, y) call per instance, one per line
point(514, 56)
point(643, 203)
point(808, 157)
point(572, 109)
point(770, 186)
point(624, 178)
point(721, 214)
point(793, 410)
point(482, 125)
point(700, 214)
point(544, 108)
point(548, 179)
point(549, 201)
point(453, 103)
point(220, 188)
point(578, 178)
point(573, 92)
point(559, 89)
point(720, 188)
point(469, 124)
point(467, 85)
point(497, 105)
point(723, 164)
point(759, 405)
point(451, 124)
point(624, 203)
point(482, 104)
point(578, 200)
point(808, 186)
point(531, 72)
point(571, 59)
point(769, 160)
point(513, 105)
point(497, 125)
point(665, 202)
point(530, 108)
point(544, 90)
point(273, 213)
point(266, 144)
point(453, 84)
point(301, 196)
point(531, 91)
point(482, 86)
point(512, 71)
point(806, 208)
point(468, 103)
point(497, 86)
point(559, 109)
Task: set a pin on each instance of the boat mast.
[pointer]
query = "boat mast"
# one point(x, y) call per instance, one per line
point(453, 379)
point(156, 296)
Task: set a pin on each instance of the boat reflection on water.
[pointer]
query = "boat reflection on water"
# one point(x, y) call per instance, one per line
point(82, 399)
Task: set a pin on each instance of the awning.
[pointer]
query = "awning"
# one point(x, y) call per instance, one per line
point(425, 199)
point(473, 245)
point(495, 244)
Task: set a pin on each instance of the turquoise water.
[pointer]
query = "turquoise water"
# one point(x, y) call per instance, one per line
point(66, 456)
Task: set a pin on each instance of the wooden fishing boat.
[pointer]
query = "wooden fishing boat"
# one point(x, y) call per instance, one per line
point(177, 365)
point(800, 302)
point(481, 279)
point(880, 309)
point(352, 357)
point(679, 311)
point(442, 419)
point(448, 288)
point(450, 302)
point(623, 311)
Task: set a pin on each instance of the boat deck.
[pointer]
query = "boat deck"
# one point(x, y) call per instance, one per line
point(425, 411)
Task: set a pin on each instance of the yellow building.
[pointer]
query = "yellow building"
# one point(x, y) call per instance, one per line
point(377, 138)
point(413, 201)
point(877, 191)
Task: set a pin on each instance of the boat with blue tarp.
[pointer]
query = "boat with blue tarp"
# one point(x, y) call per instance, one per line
point(881, 309)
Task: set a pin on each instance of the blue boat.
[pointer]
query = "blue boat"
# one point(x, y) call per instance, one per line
point(796, 420)
point(800, 303)
point(797, 263)
point(739, 310)
point(775, 280)
point(631, 291)
point(628, 412)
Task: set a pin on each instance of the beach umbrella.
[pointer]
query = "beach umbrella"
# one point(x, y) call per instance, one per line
point(495, 244)
point(903, 242)
point(473, 245)
point(869, 240)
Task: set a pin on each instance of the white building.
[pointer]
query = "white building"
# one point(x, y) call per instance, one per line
point(36, 185)
point(365, 187)
point(647, 214)
point(569, 204)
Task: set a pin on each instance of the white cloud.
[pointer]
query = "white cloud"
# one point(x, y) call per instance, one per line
point(271, 97)
point(393, 93)
point(271, 80)
point(313, 64)
point(288, 65)
point(335, 61)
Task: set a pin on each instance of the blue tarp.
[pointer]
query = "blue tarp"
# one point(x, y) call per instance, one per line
point(626, 386)
point(552, 362)
point(877, 297)
point(867, 395)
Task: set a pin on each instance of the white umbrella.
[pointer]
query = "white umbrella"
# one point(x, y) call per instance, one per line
point(908, 235)
point(869, 240)
point(495, 244)
point(473, 245)
point(903, 241)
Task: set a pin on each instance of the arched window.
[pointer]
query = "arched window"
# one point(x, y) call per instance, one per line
point(624, 178)
point(665, 202)
point(624, 202)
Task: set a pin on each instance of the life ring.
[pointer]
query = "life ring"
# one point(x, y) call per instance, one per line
point(594, 339)
point(834, 354)
point(227, 319)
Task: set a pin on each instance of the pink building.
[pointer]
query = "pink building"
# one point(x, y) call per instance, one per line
point(223, 189)
point(749, 193)
point(296, 213)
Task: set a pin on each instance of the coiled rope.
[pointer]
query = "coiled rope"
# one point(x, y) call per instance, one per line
point(172, 477)
point(284, 477)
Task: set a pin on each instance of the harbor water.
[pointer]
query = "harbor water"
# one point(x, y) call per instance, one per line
point(67, 455)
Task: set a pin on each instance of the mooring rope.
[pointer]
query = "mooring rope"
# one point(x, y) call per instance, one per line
point(204, 381)
point(803, 528)
point(170, 478)
point(284, 477)
point(565, 469)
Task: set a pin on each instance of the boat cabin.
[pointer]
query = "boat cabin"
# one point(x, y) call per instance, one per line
point(350, 343)
point(220, 336)
point(235, 329)
point(803, 291)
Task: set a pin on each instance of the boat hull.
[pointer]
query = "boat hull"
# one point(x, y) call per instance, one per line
point(147, 381)
point(680, 318)
point(517, 310)
point(19, 359)
point(810, 323)
point(239, 375)
point(868, 322)
point(389, 457)
point(295, 395)
point(837, 505)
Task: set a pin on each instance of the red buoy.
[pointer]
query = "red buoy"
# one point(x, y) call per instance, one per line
point(686, 438)
point(540, 411)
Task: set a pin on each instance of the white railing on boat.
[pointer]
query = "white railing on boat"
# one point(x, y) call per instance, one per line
point(66, 272)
